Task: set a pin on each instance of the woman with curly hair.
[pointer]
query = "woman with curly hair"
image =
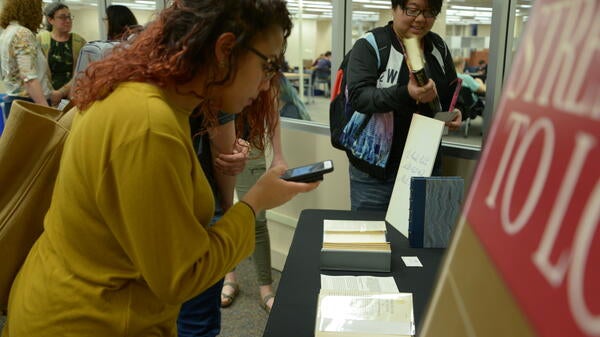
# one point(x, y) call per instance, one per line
point(126, 239)
point(23, 66)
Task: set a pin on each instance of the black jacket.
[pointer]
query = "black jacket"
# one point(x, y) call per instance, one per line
point(363, 74)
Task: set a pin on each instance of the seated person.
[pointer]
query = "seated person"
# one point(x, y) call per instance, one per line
point(290, 104)
point(322, 70)
point(475, 84)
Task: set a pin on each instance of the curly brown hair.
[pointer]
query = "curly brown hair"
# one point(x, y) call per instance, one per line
point(179, 44)
point(27, 12)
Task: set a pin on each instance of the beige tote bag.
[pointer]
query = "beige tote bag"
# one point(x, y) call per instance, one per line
point(30, 150)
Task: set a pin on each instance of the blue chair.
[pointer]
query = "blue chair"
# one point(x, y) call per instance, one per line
point(322, 77)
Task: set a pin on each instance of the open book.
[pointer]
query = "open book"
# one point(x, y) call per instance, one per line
point(355, 245)
point(363, 306)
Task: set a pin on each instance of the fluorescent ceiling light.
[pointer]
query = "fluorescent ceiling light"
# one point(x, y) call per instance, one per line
point(470, 8)
point(377, 6)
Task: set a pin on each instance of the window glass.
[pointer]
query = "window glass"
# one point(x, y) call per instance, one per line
point(88, 18)
point(307, 76)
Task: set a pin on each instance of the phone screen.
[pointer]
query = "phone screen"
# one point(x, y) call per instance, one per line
point(302, 170)
point(308, 173)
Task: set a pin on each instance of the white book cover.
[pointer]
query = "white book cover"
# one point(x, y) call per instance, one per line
point(417, 160)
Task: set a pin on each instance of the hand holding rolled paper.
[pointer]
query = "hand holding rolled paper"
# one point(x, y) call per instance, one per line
point(415, 62)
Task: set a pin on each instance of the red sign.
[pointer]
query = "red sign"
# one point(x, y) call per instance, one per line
point(535, 201)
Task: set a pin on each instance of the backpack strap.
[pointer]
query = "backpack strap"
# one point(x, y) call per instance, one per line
point(371, 39)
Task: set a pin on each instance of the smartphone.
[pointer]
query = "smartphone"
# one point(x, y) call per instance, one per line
point(308, 173)
point(446, 116)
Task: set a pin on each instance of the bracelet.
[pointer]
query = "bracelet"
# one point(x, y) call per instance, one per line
point(251, 208)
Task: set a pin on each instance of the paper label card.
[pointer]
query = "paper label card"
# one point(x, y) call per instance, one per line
point(412, 261)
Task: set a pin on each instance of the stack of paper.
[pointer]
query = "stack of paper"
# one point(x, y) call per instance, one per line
point(363, 306)
point(355, 245)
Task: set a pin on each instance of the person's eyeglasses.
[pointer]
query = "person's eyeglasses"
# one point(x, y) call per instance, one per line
point(65, 17)
point(414, 12)
point(270, 67)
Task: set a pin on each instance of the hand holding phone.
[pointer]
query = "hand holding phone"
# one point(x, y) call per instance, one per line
point(308, 173)
point(272, 191)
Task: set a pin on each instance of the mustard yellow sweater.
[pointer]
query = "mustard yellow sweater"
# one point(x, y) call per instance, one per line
point(125, 240)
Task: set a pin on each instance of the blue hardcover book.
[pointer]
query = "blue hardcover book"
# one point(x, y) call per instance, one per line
point(435, 204)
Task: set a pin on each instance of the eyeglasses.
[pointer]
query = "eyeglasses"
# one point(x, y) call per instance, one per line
point(414, 12)
point(270, 67)
point(65, 17)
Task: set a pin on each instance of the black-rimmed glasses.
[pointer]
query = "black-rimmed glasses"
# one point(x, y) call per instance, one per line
point(65, 17)
point(270, 67)
point(414, 12)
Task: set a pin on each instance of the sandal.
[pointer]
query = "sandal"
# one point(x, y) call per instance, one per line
point(265, 300)
point(227, 298)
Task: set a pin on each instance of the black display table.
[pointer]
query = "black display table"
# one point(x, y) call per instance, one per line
point(295, 306)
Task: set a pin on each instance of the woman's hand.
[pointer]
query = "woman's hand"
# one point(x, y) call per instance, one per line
point(454, 124)
point(271, 191)
point(232, 164)
point(55, 97)
point(424, 94)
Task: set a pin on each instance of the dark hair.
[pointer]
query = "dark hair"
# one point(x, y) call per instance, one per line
point(180, 43)
point(120, 20)
point(435, 5)
point(327, 53)
point(27, 12)
point(50, 10)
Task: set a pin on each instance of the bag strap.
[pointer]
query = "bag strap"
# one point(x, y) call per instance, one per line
point(371, 39)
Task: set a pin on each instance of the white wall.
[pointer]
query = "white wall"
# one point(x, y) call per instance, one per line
point(294, 54)
point(86, 21)
point(324, 31)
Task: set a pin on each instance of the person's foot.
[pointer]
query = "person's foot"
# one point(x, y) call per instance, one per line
point(267, 297)
point(229, 291)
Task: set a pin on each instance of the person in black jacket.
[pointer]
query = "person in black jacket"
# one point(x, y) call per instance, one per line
point(397, 94)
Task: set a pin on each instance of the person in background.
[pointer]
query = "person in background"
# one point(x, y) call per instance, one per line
point(126, 237)
point(411, 18)
point(475, 84)
point(121, 23)
point(256, 166)
point(316, 61)
point(60, 46)
point(290, 104)
point(322, 70)
point(482, 70)
point(222, 157)
point(23, 67)
point(324, 63)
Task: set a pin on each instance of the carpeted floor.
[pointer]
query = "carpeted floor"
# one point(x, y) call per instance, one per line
point(245, 317)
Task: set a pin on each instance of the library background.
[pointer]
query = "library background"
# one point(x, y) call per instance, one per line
point(485, 33)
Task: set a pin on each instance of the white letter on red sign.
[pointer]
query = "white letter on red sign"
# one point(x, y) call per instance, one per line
point(519, 120)
point(545, 126)
point(581, 248)
point(541, 258)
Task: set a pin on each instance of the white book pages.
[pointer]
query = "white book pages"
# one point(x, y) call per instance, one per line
point(353, 226)
point(364, 314)
point(371, 284)
point(368, 237)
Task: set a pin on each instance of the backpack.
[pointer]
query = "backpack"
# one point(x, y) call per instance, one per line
point(340, 110)
point(27, 175)
point(93, 51)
